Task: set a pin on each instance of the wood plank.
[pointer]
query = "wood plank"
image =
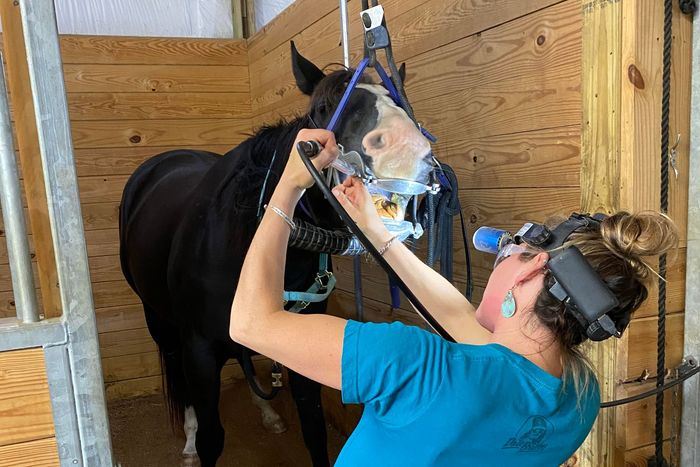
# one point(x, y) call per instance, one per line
point(423, 28)
point(681, 79)
point(113, 293)
point(601, 161)
point(98, 216)
point(126, 342)
point(138, 387)
point(535, 159)
point(105, 269)
point(102, 242)
point(152, 51)
point(135, 106)
point(675, 289)
point(93, 77)
point(41, 452)
point(641, 415)
point(515, 105)
point(639, 457)
point(547, 39)
point(120, 318)
point(25, 403)
point(297, 17)
point(141, 133)
point(101, 189)
point(124, 161)
point(126, 367)
point(20, 95)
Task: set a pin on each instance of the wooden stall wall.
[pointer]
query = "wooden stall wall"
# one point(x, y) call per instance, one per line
point(129, 99)
point(500, 84)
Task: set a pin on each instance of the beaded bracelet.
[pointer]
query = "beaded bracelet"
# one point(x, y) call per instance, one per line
point(386, 246)
point(284, 217)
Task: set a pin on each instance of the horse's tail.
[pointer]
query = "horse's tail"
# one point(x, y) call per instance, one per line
point(174, 385)
point(167, 336)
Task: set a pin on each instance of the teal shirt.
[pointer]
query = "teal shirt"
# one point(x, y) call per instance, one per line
point(429, 402)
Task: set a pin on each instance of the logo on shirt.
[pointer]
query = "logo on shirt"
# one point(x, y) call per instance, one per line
point(531, 436)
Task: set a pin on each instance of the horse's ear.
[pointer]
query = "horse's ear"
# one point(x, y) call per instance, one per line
point(306, 73)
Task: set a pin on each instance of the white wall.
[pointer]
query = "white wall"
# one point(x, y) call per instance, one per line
point(266, 10)
point(159, 18)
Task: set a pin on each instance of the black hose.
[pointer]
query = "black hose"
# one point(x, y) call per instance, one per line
point(420, 309)
point(249, 372)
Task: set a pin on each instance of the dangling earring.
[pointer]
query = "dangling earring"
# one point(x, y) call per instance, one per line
point(508, 306)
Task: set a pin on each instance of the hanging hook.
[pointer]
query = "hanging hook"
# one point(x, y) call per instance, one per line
point(673, 159)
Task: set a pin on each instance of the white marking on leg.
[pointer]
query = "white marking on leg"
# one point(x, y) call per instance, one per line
point(190, 432)
point(271, 420)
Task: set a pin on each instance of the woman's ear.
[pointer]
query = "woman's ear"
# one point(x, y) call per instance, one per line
point(532, 268)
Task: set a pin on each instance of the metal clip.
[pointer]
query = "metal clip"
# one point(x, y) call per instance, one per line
point(322, 279)
point(276, 379)
point(673, 159)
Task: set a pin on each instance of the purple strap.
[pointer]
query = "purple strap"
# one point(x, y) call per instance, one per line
point(351, 87)
point(395, 295)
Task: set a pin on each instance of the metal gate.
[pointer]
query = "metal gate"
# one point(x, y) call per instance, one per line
point(70, 342)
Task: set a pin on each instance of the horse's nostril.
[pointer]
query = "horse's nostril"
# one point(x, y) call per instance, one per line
point(377, 141)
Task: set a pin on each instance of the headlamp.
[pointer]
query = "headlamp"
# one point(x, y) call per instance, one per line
point(576, 284)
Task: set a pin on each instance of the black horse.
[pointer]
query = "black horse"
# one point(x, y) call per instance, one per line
point(187, 219)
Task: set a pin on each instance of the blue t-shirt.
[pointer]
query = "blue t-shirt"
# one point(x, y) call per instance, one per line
point(431, 402)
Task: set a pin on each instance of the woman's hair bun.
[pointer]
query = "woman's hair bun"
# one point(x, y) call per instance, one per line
point(635, 236)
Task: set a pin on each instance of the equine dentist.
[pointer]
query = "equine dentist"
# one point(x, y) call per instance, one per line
point(513, 390)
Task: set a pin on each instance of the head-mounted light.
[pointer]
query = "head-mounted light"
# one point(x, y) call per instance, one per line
point(576, 284)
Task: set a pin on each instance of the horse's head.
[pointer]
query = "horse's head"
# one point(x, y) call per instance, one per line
point(372, 124)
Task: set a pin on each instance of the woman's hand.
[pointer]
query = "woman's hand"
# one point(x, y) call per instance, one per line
point(356, 200)
point(295, 173)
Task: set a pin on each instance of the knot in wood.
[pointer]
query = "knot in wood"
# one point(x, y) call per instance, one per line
point(136, 139)
point(635, 76)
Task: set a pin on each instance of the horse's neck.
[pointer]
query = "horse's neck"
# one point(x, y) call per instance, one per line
point(239, 178)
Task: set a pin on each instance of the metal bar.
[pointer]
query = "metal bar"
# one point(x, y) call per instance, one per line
point(15, 335)
point(690, 422)
point(13, 216)
point(344, 30)
point(63, 405)
point(49, 96)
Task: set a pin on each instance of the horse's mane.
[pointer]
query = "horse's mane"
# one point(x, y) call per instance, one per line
point(264, 154)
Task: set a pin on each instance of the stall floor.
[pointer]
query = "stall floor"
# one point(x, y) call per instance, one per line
point(141, 434)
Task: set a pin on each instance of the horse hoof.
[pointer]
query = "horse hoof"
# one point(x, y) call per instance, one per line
point(274, 425)
point(190, 460)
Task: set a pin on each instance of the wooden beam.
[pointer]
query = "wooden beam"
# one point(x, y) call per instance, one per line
point(30, 158)
point(600, 192)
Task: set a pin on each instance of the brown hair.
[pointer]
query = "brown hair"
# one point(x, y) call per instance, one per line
point(617, 252)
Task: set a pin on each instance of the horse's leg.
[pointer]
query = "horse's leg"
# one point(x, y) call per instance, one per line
point(271, 420)
point(190, 431)
point(307, 395)
point(203, 373)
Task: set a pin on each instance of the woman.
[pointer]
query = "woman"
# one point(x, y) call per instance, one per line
point(514, 389)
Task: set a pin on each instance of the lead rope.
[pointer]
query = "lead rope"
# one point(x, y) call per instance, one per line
point(661, 337)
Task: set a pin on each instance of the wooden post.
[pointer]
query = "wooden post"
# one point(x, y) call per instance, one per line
point(237, 18)
point(601, 142)
point(30, 159)
point(620, 151)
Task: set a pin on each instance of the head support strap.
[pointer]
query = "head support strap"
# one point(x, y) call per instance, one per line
point(576, 284)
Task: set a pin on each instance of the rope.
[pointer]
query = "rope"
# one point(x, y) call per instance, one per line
point(661, 337)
